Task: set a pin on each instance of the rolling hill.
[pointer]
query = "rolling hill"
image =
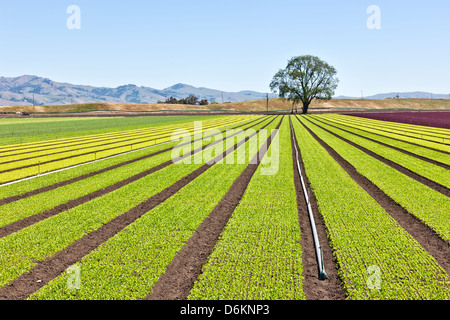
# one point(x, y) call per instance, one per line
point(19, 91)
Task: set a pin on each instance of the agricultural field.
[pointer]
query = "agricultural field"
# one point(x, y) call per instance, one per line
point(439, 119)
point(237, 207)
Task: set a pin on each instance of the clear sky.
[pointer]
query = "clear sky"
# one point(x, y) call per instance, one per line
point(229, 45)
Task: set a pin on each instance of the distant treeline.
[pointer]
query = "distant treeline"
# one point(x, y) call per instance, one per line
point(191, 100)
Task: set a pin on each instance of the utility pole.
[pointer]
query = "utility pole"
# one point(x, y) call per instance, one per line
point(33, 105)
point(267, 103)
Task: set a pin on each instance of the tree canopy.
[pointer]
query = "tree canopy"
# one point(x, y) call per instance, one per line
point(304, 79)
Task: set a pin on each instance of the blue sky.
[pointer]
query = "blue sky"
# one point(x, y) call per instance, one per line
point(229, 45)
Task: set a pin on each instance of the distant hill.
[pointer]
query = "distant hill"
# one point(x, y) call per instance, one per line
point(18, 91)
point(401, 95)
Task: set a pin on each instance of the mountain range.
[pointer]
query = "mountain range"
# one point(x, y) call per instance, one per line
point(401, 95)
point(29, 89)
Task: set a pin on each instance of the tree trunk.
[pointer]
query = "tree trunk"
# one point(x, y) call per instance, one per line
point(305, 107)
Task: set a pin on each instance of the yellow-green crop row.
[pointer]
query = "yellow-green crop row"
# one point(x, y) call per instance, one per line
point(49, 163)
point(403, 128)
point(426, 169)
point(356, 124)
point(415, 149)
point(36, 204)
point(42, 148)
point(408, 130)
point(377, 258)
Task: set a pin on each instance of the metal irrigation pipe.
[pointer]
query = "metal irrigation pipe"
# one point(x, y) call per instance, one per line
point(322, 274)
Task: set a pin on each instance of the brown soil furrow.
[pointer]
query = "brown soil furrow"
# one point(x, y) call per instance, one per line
point(424, 235)
point(186, 266)
point(314, 289)
point(49, 268)
point(28, 221)
point(429, 183)
point(440, 164)
point(85, 176)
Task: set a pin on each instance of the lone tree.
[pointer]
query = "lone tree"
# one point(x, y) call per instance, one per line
point(305, 78)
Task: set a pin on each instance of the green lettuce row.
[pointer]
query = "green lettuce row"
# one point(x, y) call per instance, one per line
point(32, 130)
point(428, 170)
point(376, 257)
point(421, 151)
point(355, 124)
point(116, 137)
point(44, 201)
point(94, 154)
point(42, 181)
point(129, 264)
point(409, 130)
point(428, 205)
point(258, 255)
point(413, 128)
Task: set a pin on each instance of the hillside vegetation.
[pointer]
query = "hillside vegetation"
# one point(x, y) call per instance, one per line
point(245, 106)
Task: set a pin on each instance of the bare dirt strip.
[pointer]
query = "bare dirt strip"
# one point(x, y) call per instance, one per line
point(28, 221)
point(49, 268)
point(412, 143)
point(429, 183)
point(85, 176)
point(178, 279)
point(426, 237)
point(437, 163)
point(314, 289)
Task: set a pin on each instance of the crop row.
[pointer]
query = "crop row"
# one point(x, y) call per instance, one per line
point(356, 124)
point(409, 147)
point(377, 259)
point(91, 168)
point(130, 263)
point(421, 167)
point(53, 146)
point(37, 204)
point(426, 204)
point(43, 164)
point(258, 255)
point(441, 136)
point(32, 130)
point(435, 131)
